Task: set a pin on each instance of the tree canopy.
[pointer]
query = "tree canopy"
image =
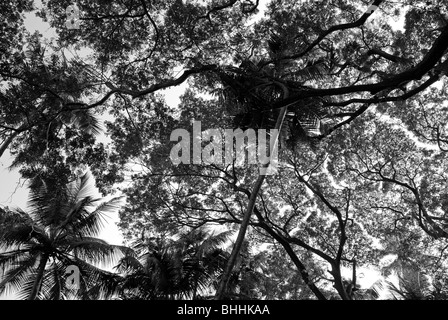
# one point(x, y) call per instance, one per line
point(357, 90)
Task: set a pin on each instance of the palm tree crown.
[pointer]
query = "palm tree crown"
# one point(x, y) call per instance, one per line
point(60, 230)
point(169, 269)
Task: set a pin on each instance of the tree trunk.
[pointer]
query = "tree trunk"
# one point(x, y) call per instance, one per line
point(338, 283)
point(39, 277)
point(250, 207)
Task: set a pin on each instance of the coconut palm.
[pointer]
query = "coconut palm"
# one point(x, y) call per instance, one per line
point(168, 269)
point(60, 230)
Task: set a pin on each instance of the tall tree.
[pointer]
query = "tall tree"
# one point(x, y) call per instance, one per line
point(362, 148)
point(58, 232)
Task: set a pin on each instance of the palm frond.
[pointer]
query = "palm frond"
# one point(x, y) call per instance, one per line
point(412, 286)
point(74, 211)
point(97, 283)
point(90, 224)
point(211, 242)
point(85, 120)
point(60, 225)
point(276, 43)
point(108, 285)
point(46, 207)
point(130, 264)
point(174, 269)
point(372, 293)
point(96, 250)
point(25, 285)
point(81, 188)
point(313, 71)
point(22, 235)
point(17, 272)
point(53, 283)
point(109, 206)
point(13, 258)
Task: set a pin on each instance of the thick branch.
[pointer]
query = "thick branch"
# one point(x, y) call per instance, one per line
point(300, 266)
point(385, 55)
point(332, 29)
point(416, 73)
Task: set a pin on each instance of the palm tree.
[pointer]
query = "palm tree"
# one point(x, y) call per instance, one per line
point(60, 230)
point(168, 269)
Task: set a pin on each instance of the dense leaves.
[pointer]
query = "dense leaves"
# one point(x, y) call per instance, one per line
point(362, 149)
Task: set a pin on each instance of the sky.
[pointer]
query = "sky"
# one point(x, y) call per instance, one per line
point(13, 191)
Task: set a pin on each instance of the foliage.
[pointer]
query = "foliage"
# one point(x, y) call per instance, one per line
point(59, 231)
point(169, 269)
point(362, 157)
